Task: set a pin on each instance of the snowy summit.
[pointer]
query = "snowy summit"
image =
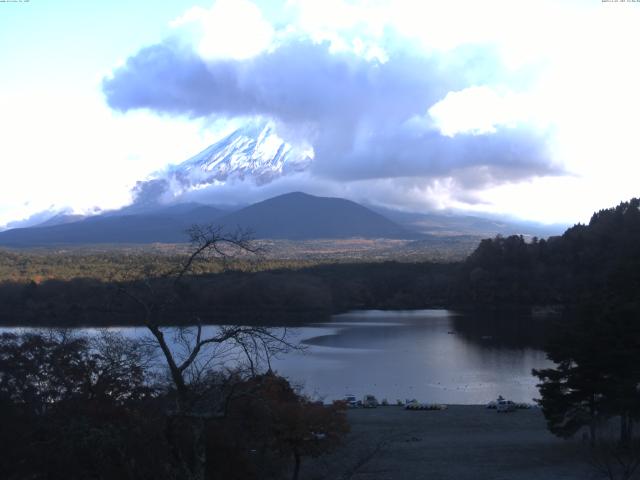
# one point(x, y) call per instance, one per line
point(253, 152)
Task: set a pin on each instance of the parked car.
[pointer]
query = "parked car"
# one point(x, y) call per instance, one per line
point(351, 401)
point(369, 401)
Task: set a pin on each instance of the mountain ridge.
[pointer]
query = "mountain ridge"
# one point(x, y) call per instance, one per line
point(289, 216)
point(292, 216)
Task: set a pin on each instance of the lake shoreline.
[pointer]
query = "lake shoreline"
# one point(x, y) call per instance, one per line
point(431, 355)
point(278, 318)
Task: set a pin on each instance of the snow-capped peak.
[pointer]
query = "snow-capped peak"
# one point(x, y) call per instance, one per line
point(253, 152)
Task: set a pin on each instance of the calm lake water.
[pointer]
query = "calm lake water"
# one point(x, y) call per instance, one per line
point(431, 355)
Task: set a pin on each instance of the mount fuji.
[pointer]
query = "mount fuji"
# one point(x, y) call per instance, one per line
point(254, 152)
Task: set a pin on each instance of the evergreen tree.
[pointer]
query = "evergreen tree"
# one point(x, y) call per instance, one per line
point(573, 392)
point(597, 374)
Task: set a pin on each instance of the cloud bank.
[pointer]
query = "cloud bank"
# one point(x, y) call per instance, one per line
point(367, 118)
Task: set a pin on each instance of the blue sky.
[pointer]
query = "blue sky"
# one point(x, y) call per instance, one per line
point(528, 109)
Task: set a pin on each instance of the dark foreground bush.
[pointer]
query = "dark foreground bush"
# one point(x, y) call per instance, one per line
point(79, 408)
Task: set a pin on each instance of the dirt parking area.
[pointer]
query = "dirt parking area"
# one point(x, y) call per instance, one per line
point(459, 443)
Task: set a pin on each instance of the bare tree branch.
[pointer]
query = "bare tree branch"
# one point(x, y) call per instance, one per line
point(198, 390)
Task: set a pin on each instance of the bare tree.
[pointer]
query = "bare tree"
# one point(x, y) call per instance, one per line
point(190, 350)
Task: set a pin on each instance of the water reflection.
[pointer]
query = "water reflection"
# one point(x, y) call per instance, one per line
point(431, 355)
point(504, 330)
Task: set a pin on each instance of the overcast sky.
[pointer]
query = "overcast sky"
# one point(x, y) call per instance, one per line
point(523, 108)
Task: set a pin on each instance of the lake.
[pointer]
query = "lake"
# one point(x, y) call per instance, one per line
point(430, 355)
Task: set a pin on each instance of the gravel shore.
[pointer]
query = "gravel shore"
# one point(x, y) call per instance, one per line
point(459, 443)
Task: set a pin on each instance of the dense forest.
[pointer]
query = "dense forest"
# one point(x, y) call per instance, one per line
point(600, 259)
point(277, 296)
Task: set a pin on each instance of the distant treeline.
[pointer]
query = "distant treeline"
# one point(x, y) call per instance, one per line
point(598, 260)
point(279, 296)
point(116, 262)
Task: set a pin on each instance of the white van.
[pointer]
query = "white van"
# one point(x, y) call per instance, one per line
point(351, 401)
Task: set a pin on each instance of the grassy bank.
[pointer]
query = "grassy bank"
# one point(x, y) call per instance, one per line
point(460, 443)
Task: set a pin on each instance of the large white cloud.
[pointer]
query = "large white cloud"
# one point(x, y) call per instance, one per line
point(364, 117)
point(481, 105)
point(229, 29)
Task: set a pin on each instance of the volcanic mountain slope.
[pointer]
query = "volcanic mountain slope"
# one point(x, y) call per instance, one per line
point(164, 225)
point(293, 216)
point(298, 216)
point(452, 224)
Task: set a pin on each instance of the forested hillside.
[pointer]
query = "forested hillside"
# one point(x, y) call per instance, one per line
point(278, 295)
point(601, 259)
point(599, 262)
